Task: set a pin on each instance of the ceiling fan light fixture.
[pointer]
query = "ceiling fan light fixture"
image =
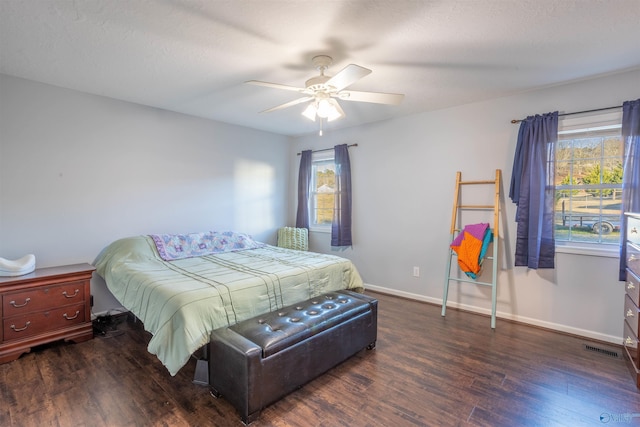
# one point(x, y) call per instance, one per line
point(310, 112)
point(336, 112)
point(326, 109)
point(329, 109)
point(334, 116)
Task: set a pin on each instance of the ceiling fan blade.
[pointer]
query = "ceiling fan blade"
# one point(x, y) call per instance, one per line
point(347, 76)
point(289, 104)
point(275, 85)
point(375, 97)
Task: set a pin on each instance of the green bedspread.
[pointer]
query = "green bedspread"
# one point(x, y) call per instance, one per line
point(181, 302)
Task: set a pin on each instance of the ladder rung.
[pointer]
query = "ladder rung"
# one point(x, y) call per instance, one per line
point(485, 257)
point(462, 279)
point(479, 182)
point(476, 207)
point(459, 230)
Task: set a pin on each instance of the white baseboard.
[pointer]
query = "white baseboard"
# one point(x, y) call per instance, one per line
point(617, 340)
point(508, 316)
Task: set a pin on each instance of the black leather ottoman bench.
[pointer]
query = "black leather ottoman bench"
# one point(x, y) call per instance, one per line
point(258, 361)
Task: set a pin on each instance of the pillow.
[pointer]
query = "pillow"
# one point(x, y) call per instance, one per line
point(178, 246)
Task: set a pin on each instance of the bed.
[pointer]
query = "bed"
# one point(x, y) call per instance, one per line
point(182, 287)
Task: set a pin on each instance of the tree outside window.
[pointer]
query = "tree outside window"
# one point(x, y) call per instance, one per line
point(323, 192)
point(588, 174)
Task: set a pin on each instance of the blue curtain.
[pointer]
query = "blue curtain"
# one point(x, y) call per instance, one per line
point(533, 190)
point(304, 184)
point(631, 175)
point(341, 225)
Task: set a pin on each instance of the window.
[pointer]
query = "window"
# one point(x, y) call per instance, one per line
point(588, 181)
point(323, 189)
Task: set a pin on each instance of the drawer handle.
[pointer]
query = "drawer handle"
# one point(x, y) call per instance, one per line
point(13, 303)
point(630, 285)
point(634, 230)
point(20, 329)
point(70, 296)
point(628, 341)
point(71, 318)
point(629, 313)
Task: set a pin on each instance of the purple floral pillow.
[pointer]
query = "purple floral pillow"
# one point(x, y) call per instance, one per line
point(178, 246)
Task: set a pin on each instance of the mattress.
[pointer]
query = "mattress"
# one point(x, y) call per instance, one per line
point(181, 302)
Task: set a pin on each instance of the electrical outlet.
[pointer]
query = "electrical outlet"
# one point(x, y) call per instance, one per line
point(416, 271)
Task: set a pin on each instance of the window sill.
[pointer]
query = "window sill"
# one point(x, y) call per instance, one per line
point(576, 249)
point(320, 230)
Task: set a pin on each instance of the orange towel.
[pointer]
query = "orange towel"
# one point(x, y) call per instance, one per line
point(468, 251)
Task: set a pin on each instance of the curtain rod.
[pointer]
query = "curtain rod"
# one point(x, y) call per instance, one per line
point(577, 112)
point(328, 149)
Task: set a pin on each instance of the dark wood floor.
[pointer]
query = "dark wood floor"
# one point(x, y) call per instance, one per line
point(426, 371)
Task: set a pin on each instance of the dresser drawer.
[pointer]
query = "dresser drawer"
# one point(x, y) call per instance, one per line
point(632, 287)
point(633, 230)
point(37, 299)
point(633, 259)
point(30, 324)
point(632, 315)
point(630, 342)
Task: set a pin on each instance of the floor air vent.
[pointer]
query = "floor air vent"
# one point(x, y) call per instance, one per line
point(602, 351)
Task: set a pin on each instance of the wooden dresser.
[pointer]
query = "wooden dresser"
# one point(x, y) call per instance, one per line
point(632, 297)
point(46, 305)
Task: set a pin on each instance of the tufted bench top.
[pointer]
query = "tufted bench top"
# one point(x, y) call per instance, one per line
point(259, 360)
point(283, 328)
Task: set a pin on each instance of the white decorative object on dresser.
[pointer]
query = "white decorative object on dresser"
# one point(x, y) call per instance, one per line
point(18, 267)
point(631, 336)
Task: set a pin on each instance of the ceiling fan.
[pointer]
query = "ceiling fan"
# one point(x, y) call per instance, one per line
point(322, 92)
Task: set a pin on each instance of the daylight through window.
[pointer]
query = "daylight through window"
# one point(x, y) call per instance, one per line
point(323, 192)
point(588, 184)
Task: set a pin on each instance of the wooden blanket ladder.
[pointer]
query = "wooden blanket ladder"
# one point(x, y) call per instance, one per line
point(457, 208)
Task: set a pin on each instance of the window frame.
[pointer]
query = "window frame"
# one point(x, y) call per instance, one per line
point(585, 123)
point(317, 159)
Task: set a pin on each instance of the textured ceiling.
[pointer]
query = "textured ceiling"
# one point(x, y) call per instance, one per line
point(194, 56)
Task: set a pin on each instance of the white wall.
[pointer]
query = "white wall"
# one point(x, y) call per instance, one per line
point(403, 180)
point(78, 171)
